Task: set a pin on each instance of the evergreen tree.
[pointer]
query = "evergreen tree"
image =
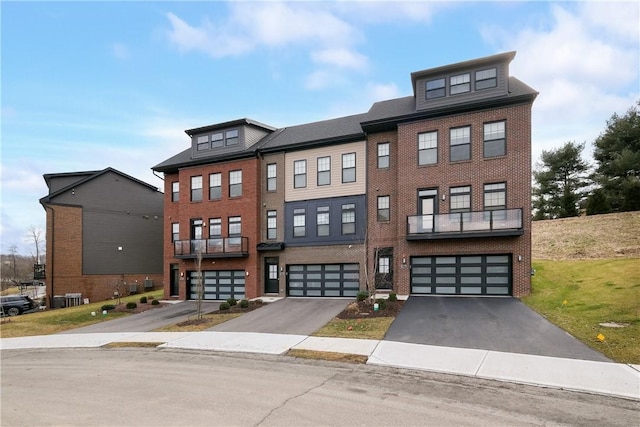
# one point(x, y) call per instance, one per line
point(597, 203)
point(617, 156)
point(560, 182)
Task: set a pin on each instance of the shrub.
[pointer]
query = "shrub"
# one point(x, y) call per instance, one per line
point(108, 307)
point(224, 306)
point(382, 303)
point(362, 295)
point(131, 305)
point(151, 297)
point(143, 300)
point(244, 303)
point(155, 302)
point(393, 297)
point(232, 301)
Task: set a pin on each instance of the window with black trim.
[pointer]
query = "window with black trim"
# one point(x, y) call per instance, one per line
point(460, 143)
point(486, 79)
point(299, 223)
point(300, 174)
point(460, 203)
point(494, 139)
point(235, 183)
point(322, 221)
point(217, 140)
point(428, 148)
point(235, 226)
point(272, 225)
point(495, 199)
point(271, 177)
point(349, 167)
point(460, 83)
point(215, 227)
point(435, 88)
point(202, 143)
point(324, 170)
point(349, 218)
point(383, 155)
point(196, 188)
point(175, 191)
point(215, 186)
point(383, 209)
point(231, 137)
point(175, 231)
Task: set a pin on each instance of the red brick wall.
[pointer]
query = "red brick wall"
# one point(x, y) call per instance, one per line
point(405, 177)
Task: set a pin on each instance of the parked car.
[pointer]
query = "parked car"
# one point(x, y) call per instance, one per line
point(12, 305)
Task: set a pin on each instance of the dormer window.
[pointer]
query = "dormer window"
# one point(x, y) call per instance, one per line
point(217, 140)
point(232, 137)
point(203, 143)
point(460, 84)
point(486, 79)
point(435, 89)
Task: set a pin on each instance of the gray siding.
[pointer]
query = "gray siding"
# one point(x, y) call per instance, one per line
point(253, 135)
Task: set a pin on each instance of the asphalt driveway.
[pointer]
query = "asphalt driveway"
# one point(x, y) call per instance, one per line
point(294, 316)
point(500, 324)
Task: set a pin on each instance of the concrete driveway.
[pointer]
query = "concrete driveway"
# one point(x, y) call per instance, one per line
point(500, 324)
point(294, 316)
point(149, 320)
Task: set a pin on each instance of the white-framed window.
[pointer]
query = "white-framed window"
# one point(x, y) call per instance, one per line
point(383, 155)
point(215, 186)
point(460, 143)
point(428, 148)
point(196, 188)
point(349, 218)
point(349, 167)
point(299, 174)
point(175, 191)
point(272, 225)
point(235, 183)
point(384, 211)
point(460, 83)
point(494, 139)
point(235, 226)
point(299, 222)
point(324, 170)
point(271, 177)
point(322, 221)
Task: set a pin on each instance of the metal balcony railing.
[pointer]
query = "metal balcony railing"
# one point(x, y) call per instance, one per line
point(504, 222)
point(223, 247)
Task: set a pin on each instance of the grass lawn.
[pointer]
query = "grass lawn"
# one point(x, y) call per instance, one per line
point(62, 319)
point(373, 329)
point(207, 321)
point(580, 295)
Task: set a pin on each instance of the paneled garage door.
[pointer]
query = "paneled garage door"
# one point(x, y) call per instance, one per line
point(461, 275)
point(218, 285)
point(323, 280)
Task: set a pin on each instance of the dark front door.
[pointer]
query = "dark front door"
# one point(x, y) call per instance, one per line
point(271, 275)
point(427, 200)
point(174, 279)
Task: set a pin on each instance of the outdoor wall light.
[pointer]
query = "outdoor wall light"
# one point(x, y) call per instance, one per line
point(119, 248)
point(519, 258)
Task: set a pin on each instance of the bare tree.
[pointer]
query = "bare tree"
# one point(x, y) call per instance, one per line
point(119, 287)
point(35, 236)
point(199, 283)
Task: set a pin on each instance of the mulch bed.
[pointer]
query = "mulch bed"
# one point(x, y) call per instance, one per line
point(365, 310)
point(141, 307)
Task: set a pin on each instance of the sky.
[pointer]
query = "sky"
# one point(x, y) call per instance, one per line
point(91, 85)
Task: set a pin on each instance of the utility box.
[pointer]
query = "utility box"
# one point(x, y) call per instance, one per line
point(148, 284)
point(58, 301)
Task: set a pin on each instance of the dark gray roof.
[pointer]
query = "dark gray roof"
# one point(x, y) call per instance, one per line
point(185, 158)
point(239, 122)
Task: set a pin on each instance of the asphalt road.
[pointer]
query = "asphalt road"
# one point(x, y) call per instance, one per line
point(500, 324)
point(150, 387)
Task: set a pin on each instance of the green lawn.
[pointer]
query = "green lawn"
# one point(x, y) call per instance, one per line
point(580, 295)
point(62, 319)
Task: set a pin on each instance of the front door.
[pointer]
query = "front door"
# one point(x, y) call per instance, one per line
point(271, 275)
point(427, 207)
point(174, 280)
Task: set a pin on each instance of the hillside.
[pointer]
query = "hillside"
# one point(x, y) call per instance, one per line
point(588, 237)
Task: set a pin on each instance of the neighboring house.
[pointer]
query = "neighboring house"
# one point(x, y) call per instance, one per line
point(426, 194)
point(104, 235)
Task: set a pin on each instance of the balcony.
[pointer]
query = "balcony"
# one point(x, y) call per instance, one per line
point(463, 225)
point(227, 247)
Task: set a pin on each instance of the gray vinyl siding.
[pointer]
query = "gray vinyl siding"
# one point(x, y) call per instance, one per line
point(58, 183)
point(247, 137)
point(253, 135)
point(500, 90)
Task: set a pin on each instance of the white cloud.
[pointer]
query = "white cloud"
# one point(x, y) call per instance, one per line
point(120, 51)
point(340, 57)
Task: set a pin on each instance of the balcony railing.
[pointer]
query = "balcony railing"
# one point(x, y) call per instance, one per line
point(505, 222)
point(223, 247)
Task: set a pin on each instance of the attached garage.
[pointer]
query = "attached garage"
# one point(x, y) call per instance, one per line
point(461, 275)
point(323, 280)
point(218, 284)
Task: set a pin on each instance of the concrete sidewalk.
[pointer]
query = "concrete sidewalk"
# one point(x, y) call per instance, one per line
point(613, 379)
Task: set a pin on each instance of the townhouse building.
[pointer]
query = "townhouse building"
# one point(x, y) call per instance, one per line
point(424, 194)
point(104, 234)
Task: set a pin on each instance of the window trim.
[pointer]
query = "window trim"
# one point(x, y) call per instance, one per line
point(382, 210)
point(175, 191)
point(348, 209)
point(434, 92)
point(231, 137)
point(427, 150)
point(496, 190)
point(299, 226)
point(272, 224)
point(324, 172)
point(217, 140)
point(212, 187)
point(202, 142)
point(462, 86)
point(233, 222)
point(196, 192)
point(384, 157)
point(175, 231)
point(302, 173)
point(323, 211)
point(462, 191)
point(235, 182)
point(272, 177)
point(346, 169)
point(503, 139)
point(467, 143)
point(486, 80)
point(215, 223)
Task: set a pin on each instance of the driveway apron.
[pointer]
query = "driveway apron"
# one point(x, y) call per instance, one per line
point(148, 320)
point(500, 324)
point(294, 316)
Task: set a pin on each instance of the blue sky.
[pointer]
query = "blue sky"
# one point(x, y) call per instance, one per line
point(90, 85)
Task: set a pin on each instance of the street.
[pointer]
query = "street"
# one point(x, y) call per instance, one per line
point(148, 386)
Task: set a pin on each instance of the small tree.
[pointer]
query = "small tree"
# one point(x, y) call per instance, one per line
point(597, 203)
point(199, 283)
